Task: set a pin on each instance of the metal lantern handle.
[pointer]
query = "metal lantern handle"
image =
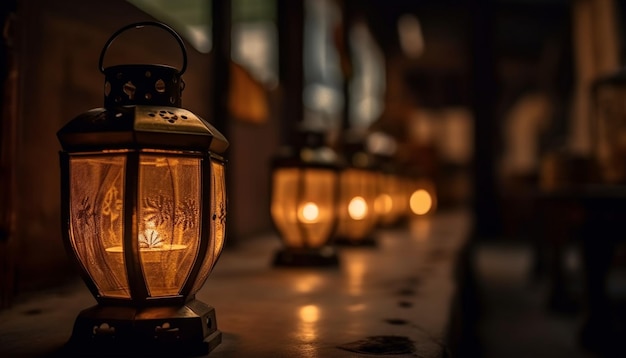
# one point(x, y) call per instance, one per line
point(139, 25)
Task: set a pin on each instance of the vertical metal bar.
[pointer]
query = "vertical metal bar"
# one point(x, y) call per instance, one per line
point(291, 65)
point(8, 152)
point(130, 243)
point(487, 217)
point(221, 39)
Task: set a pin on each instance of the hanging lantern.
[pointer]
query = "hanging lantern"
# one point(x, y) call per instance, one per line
point(143, 206)
point(357, 195)
point(303, 202)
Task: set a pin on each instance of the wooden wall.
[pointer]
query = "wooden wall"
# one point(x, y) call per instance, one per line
point(59, 49)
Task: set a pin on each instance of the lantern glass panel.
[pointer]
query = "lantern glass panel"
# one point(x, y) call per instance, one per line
point(357, 190)
point(303, 206)
point(169, 226)
point(387, 202)
point(217, 226)
point(96, 219)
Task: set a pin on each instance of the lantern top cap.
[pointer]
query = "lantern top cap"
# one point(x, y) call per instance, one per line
point(142, 110)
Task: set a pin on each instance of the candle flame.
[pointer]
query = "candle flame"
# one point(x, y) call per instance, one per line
point(357, 208)
point(309, 213)
point(421, 202)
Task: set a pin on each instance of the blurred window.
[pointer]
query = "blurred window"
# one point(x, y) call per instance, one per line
point(190, 18)
point(255, 39)
point(323, 80)
point(367, 87)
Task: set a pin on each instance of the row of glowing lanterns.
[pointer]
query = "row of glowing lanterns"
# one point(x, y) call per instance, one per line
point(420, 202)
point(320, 199)
point(143, 200)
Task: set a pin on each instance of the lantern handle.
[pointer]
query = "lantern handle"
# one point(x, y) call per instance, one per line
point(139, 25)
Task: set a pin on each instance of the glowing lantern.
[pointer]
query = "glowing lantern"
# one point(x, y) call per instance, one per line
point(357, 197)
point(303, 203)
point(143, 198)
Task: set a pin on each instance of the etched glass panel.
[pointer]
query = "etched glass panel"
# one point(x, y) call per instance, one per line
point(96, 221)
point(169, 223)
point(217, 228)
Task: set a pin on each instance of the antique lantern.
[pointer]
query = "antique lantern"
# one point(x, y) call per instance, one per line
point(357, 194)
point(143, 207)
point(303, 201)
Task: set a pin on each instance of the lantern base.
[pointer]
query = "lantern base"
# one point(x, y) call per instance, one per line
point(326, 256)
point(157, 330)
point(368, 241)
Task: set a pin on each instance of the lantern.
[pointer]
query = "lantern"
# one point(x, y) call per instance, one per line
point(143, 206)
point(357, 195)
point(609, 94)
point(303, 202)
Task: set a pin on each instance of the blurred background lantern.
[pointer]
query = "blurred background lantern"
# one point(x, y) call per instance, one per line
point(144, 206)
point(609, 94)
point(387, 204)
point(303, 201)
point(357, 195)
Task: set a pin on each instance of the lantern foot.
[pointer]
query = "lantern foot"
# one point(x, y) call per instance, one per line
point(368, 241)
point(326, 256)
point(130, 331)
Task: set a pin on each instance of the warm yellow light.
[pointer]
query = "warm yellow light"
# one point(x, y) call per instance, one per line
point(307, 329)
point(356, 270)
point(309, 213)
point(383, 203)
point(357, 209)
point(421, 202)
point(309, 313)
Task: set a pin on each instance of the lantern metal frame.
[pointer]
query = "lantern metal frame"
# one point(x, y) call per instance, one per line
point(148, 120)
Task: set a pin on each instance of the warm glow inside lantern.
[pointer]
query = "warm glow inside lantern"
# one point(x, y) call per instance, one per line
point(144, 197)
point(387, 203)
point(303, 203)
point(422, 197)
point(357, 196)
